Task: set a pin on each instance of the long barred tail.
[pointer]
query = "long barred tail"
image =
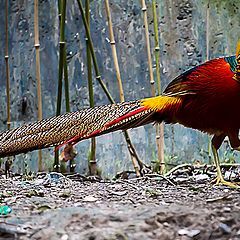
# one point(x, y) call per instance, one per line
point(73, 127)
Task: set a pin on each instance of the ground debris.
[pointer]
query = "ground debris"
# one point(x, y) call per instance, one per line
point(202, 173)
point(190, 233)
point(221, 198)
point(11, 230)
point(151, 207)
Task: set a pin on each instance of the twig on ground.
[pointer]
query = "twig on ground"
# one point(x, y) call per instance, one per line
point(156, 176)
point(222, 198)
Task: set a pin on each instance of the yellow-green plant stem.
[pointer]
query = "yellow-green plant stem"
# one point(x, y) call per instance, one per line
point(7, 67)
point(144, 9)
point(7, 72)
point(114, 51)
point(159, 127)
point(66, 83)
point(133, 153)
point(92, 155)
point(96, 68)
point(38, 75)
point(62, 10)
point(207, 58)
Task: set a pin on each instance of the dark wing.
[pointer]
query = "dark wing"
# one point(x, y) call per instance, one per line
point(180, 86)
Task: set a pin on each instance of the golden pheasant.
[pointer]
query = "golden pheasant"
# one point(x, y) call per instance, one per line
point(206, 98)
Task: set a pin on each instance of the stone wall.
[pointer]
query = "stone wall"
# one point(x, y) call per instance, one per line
point(182, 26)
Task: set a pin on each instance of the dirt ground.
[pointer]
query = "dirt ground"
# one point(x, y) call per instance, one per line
point(52, 206)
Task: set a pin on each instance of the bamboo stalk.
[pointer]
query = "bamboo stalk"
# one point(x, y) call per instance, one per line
point(137, 163)
point(59, 9)
point(65, 70)
point(97, 72)
point(157, 48)
point(8, 161)
point(62, 10)
point(66, 86)
point(159, 127)
point(207, 31)
point(92, 155)
point(61, 55)
point(207, 58)
point(66, 83)
point(133, 154)
point(114, 51)
point(98, 76)
point(144, 10)
point(38, 75)
point(7, 67)
point(173, 141)
point(89, 60)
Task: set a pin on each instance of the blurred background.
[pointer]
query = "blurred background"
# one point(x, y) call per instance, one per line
point(183, 41)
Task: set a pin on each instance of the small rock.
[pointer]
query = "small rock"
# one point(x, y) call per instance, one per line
point(90, 199)
point(201, 177)
point(231, 175)
point(165, 224)
point(189, 233)
point(181, 179)
point(66, 194)
point(43, 208)
point(118, 193)
point(225, 228)
point(38, 181)
point(64, 237)
point(52, 178)
point(227, 209)
point(34, 192)
point(117, 186)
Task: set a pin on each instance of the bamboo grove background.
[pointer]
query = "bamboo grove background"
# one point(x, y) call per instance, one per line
point(189, 32)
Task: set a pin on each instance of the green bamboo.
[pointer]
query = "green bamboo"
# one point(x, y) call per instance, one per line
point(66, 83)
point(157, 48)
point(62, 7)
point(207, 31)
point(207, 58)
point(7, 67)
point(59, 8)
point(134, 157)
point(65, 69)
point(7, 77)
point(89, 59)
point(61, 55)
point(66, 87)
point(97, 72)
point(144, 10)
point(159, 127)
point(98, 76)
point(92, 155)
point(114, 51)
point(38, 75)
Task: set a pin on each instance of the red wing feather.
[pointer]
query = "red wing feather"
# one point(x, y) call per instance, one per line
point(185, 83)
